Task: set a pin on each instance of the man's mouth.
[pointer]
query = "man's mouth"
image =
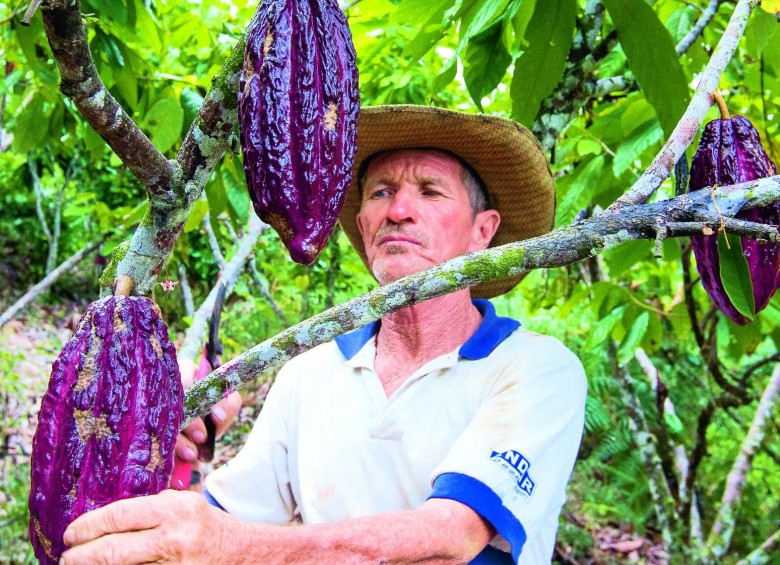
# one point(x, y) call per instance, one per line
point(397, 238)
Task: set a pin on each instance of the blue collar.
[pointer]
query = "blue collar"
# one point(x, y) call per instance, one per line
point(490, 333)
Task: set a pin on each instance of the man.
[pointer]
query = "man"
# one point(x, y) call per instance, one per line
point(442, 433)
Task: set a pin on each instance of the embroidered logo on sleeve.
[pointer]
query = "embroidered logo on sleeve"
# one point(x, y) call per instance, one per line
point(517, 467)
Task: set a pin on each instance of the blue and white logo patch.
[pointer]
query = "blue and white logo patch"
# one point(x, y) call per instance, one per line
point(517, 467)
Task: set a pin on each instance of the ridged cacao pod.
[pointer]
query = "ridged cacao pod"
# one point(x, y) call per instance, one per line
point(298, 106)
point(108, 422)
point(730, 152)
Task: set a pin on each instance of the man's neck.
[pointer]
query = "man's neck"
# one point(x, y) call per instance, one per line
point(410, 338)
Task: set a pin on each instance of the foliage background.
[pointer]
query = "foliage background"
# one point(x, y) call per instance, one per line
point(503, 57)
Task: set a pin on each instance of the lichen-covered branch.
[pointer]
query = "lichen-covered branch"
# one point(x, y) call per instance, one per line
point(79, 81)
point(196, 333)
point(662, 166)
point(49, 279)
point(213, 243)
point(563, 246)
point(202, 148)
point(762, 555)
point(722, 529)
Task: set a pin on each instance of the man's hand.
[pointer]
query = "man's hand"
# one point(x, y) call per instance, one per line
point(223, 413)
point(170, 527)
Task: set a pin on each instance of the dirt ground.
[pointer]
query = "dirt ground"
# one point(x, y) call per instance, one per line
point(29, 346)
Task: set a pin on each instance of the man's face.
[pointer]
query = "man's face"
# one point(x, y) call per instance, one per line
point(415, 213)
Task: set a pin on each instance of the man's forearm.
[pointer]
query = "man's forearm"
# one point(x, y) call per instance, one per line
point(442, 531)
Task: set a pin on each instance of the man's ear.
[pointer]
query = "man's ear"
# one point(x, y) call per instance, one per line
point(359, 221)
point(485, 227)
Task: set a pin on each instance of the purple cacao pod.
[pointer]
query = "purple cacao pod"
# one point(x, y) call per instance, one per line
point(298, 107)
point(730, 152)
point(108, 422)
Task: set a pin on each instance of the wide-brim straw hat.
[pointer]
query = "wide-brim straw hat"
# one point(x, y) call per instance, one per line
point(507, 157)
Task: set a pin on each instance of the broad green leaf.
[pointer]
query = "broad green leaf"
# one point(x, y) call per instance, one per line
point(32, 126)
point(164, 121)
point(603, 329)
point(644, 136)
point(196, 216)
point(114, 9)
point(127, 85)
point(191, 101)
point(413, 12)
point(621, 258)
point(580, 191)
point(485, 62)
point(485, 12)
point(633, 339)
point(673, 423)
point(651, 54)
point(539, 69)
point(735, 275)
point(760, 29)
point(680, 22)
point(429, 14)
point(236, 190)
point(215, 193)
point(520, 25)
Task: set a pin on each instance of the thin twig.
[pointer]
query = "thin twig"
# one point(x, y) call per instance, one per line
point(49, 279)
point(697, 29)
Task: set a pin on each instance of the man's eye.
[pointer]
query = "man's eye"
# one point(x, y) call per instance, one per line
point(379, 193)
point(428, 191)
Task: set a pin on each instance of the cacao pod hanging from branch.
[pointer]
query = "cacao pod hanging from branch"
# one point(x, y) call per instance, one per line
point(298, 106)
point(730, 152)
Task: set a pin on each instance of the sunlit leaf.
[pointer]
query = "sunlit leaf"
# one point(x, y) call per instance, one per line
point(735, 275)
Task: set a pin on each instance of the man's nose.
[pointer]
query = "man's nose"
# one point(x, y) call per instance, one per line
point(402, 207)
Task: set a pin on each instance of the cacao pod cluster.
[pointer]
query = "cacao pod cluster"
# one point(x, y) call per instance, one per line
point(298, 107)
point(730, 152)
point(108, 422)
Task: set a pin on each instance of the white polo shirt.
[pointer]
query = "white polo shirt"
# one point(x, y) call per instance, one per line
point(495, 425)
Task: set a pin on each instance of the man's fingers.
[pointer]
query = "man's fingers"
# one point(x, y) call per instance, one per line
point(121, 516)
point(128, 548)
point(189, 438)
point(225, 411)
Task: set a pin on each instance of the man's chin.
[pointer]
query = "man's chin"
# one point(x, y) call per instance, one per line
point(388, 271)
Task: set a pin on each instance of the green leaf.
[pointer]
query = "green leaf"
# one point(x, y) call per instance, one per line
point(584, 181)
point(127, 85)
point(215, 193)
point(760, 29)
point(652, 57)
point(485, 62)
point(603, 328)
point(621, 258)
point(644, 136)
point(191, 102)
point(680, 22)
point(196, 216)
point(540, 68)
point(32, 126)
point(164, 122)
point(735, 275)
point(633, 339)
point(520, 22)
point(673, 423)
point(115, 9)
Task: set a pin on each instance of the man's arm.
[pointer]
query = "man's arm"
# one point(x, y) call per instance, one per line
point(180, 527)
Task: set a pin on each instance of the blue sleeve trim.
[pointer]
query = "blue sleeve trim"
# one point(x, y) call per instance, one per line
point(478, 496)
point(211, 500)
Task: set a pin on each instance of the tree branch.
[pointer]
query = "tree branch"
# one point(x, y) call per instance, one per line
point(561, 247)
point(682, 136)
point(698, 27)
point(190, 349)
point(81, 83)
point(186, 291)
point(660, 493)
point(761, 554)
point(723, 528)
point(203, 147)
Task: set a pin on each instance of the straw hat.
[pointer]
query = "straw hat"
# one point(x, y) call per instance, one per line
point(504, 154)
